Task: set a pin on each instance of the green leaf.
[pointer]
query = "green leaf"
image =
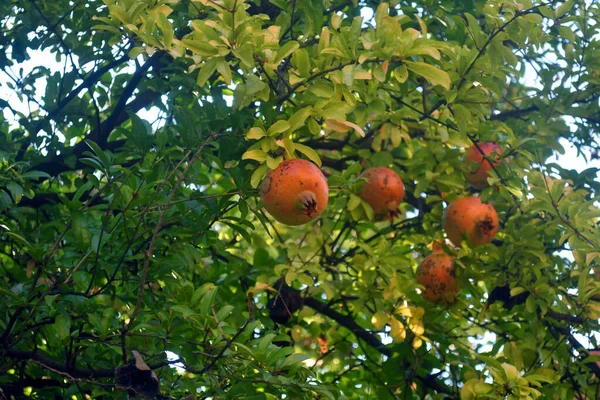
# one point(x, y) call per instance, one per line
point(206, 71)
point(462, 116)
point(34, 175)
point(258, 174)
point(401, 73)
point(102, 156)
point(294, 359)
point(256, 154)
point(433, 74)
point(16, 191)
point(224, 70)
point(564, 8)
point(286, 50)
point(200, 47)
point(301, 61)
point(278, 127)
point(256, 133)
point(297, 120)
point(308, 152)
point(63, 325)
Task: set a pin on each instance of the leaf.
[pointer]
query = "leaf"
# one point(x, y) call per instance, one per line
point(308, 152)
point(344, 126)
point(200, 47)
point(255, 154)
point(289, 146)
point(63, 325)
point(206, 71)
point(102, 156)
point(278, 127)
point(286, 50)
point(297, 120)
point(353, 202)
point(301, 61)
point(224, 70)
point(141, 132)
point(398, 332)
point(294, 359)
point(564, 8)
point(433, 74)
point(511, 372)
point(256, 133)
point(401, 73)
point(34, 175)
point(16, 191)
point(379, 320)
point(257, 176)
point(183, 310)
point(462, 116)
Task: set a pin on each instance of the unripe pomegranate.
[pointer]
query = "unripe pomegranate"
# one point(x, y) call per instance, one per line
point(478, 178)
point(437, 273)
point(384, 192)
point(469, 216)
point(295, 193)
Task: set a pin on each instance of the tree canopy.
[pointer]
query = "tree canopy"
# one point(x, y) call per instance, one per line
point(136, 255)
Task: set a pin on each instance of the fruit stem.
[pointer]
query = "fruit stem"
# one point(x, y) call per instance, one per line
point(437, 248)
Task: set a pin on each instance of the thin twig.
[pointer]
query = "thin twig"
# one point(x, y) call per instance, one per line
point(150, 251)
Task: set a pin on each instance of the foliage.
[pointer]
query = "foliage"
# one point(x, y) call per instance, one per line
point(124, 239)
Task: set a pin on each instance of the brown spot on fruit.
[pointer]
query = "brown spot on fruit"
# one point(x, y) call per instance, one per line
point(470, 217)
point(384, 192)
point(477, 176)
point(297, 196)
point(265, 186)
point(437, 273)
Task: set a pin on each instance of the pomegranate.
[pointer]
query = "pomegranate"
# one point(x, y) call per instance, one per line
point(469, 216)
point(384, 192)
point(437, 273)
point(295, 193)
point(478, 178)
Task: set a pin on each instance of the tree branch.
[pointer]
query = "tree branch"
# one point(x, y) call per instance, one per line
point(370, 338)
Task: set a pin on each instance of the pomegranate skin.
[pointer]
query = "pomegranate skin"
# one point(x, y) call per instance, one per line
point(384, 192)
point(437, 273)
point(468, 215)
point(478, 178)
point(296, 192)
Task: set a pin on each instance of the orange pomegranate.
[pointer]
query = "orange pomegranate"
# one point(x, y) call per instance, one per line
point(437, 273)
point(478, 178)
point(469, 216)
point(295, 193)
point(384, 192)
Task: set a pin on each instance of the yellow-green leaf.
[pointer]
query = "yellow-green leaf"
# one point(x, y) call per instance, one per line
point(433, 74)
point(308, 152)
point(257, 155)
point(286, 50)
point(278, 127)
point(258, 174)
point(256, 133)
point(379, 320)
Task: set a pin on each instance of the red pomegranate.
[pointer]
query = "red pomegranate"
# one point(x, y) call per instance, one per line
point(469, 216)
point(437, 273)
point(295, 193)
point(478, 178)
point(384, 192)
